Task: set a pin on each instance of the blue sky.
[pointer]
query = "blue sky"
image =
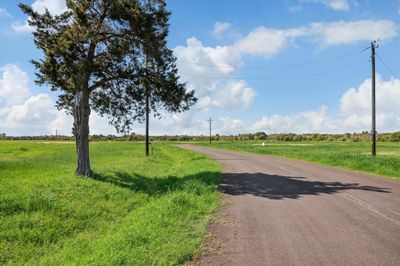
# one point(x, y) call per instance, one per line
point(274, 66)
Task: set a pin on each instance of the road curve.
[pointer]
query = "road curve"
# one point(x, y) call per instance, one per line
point(288, 212)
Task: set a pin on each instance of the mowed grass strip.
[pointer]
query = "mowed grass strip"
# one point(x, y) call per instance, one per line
point(350, 155)
point(133, 211)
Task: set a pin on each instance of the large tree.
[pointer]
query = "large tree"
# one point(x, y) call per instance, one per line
point(93, 57)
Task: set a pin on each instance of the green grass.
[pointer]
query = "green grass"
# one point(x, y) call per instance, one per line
point(133, 211)
point(350, 155)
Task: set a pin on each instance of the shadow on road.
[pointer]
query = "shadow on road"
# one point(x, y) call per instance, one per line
point(281, 187)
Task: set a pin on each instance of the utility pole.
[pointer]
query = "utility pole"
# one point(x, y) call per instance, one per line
point(373, 46)
point(56, 133)
point(209, 121)
point(147, 124)
point(147, 107)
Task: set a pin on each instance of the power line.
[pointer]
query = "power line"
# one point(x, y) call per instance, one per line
point(277, 78)
point(385, 65)
point(273, 66)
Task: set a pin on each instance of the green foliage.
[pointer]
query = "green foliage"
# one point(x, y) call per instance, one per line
point(355, 137)
point(395, 137)
point(132, 211)
point(350, 155)
point(105, 54)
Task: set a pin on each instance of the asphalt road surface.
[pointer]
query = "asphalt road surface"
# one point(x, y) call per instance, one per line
point(288, 212)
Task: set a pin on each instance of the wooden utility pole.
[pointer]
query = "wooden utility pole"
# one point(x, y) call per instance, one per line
point(373, 132)
point(209, 121)
point(147, 125)
point(147, 92)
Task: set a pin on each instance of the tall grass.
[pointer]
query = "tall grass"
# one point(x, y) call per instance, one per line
point(350, 155)
point(133, 211)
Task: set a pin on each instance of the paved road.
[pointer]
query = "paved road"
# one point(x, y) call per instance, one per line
point(287, 212)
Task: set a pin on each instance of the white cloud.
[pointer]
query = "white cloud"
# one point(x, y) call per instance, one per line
point(220, 28)
point(354, 113)
point(21, 113)
point(24, 114)
point(208, 70)
point(267, 42)
point(193, 123)
point(37, 111)
point(62, 122)
point(55, 7)
point(197, 63)
point(355, 105)
point(228, 95)
point(4, 13)
point(336, 5)
point(309, 121)
point(19, 27)
point(228, 125)
point(199, 59)
point(13, 86)
point(346, 32)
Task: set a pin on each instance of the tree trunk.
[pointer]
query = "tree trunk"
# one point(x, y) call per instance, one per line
point(81, 125)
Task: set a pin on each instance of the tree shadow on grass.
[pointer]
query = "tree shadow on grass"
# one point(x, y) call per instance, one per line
point(280, 187)
point(157, 185)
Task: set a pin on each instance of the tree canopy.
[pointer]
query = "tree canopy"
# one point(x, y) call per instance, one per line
point(106, 56)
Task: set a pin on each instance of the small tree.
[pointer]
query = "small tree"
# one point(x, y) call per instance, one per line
point(92, 57)
point(395, 137)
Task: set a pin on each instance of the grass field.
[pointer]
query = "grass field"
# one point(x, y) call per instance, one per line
point(133, 211)
point(350, 155)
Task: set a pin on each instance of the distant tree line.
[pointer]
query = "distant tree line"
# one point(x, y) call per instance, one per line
point(352, 137)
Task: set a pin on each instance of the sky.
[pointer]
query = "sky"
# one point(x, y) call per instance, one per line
point(300, 66)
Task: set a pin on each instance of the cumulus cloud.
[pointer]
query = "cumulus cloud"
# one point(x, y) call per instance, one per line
point(308, 121)
point(228, 95)
point(19, 27)
point(354, 113)
point(193, 123)
point(199, 59)
point(336, 5)
point(4, 13)
point(267, 42)
point(355, 105)
point(205, 68)
point(62, 122)
point(345, 32)
point(196, 63)
point(55, 7)
point(220, 28)
point(36, 111)
point(208, 70)
point(228, 125)
point(22, 113)
point(13, 86)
